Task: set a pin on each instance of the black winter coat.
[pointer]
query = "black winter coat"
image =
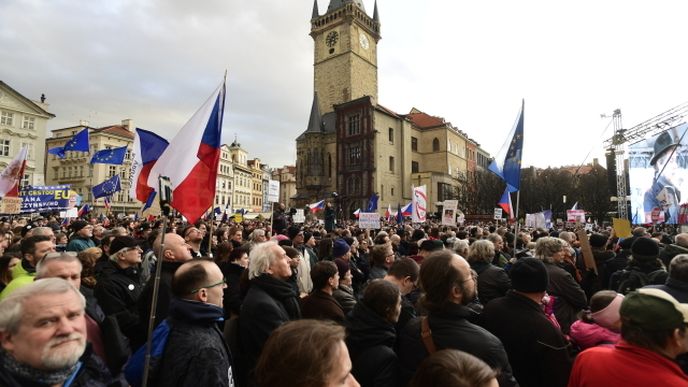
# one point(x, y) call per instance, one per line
point(164, 297)
point(493, 282)
point(537, 350)
point(118, 291)
point(677, 289)
point(451, 329)
point(370, 340)
point(196, 353)
point(232, 300)
point(570, 297)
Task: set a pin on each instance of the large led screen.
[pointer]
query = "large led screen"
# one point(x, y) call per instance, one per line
point(658, 173)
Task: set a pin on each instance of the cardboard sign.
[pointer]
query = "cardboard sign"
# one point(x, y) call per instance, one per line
point(273, 191)
point(622, 228)
point(370, 220)
point(498, 213)
point(588, 257)
point(10, 205)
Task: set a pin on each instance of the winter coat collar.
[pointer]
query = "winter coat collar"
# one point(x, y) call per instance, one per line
point(195, 312)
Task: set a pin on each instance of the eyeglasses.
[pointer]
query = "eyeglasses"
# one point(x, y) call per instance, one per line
point(474, 277)
point(223, 282)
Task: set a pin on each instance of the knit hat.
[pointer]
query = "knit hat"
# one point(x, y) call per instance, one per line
point(122, 242)
point(293, 231)
point(307, 236)
point(78, 225)
point(645, 249)
point(340, 248)
point(597, 240)
point(342, 266)
point(653, 310)
point(529, 275)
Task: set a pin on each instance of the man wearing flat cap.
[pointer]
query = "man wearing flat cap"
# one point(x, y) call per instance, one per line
point(664, 194)
point(653, 332)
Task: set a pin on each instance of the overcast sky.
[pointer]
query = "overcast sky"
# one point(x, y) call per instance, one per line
point(471, 62)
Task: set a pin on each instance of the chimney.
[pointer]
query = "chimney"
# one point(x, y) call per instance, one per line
point(83, 123)
point(128, 123)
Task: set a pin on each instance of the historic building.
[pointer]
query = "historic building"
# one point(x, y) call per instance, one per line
point(76, 168)
point(353, 146)
point(23, 123)
point(287, 181)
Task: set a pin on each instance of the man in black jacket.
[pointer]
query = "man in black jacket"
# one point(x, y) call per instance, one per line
point(195, 353)
point(449, 286)
point(538, 352)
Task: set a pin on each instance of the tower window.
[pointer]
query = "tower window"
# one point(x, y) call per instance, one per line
point(391, 164)
point(414, 144)
point(435, 145)
point(414, 167)
point(354, 124)
point(391, 135)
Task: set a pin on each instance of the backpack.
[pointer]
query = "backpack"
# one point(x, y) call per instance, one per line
point(133, 370)
point(630, 280)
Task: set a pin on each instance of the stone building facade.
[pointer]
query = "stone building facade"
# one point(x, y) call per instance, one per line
point(353, 146)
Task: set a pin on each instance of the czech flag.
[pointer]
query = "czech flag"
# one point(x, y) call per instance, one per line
point(388, 212)
point(505, 203)
point(148, 147)
point(407, 210)
point(191, 159)
point(358, 211)
point(317, 206)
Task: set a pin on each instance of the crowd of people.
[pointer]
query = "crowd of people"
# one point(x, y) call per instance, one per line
point(273, 303)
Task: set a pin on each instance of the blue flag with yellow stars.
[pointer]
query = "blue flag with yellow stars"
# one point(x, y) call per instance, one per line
point(110, 156)
point(507, 163)
point(77, 143)
point(107, 188)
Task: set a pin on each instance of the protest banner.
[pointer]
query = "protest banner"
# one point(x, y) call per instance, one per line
point(47, 198)
point(369, 220)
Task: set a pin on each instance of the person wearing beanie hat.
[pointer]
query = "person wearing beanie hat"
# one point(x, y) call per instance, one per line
point(653, 333)
point(82, 232)
point(537, 350)
point(643, 269)
point(340, 248)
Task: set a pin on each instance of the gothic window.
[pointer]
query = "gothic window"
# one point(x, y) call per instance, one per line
point(355, 155)
point(329, 165)
point(435, 145)
point(353, 185)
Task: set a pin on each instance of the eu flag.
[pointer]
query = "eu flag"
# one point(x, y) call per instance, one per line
point(77, 143)
point(107, 188)
point(372, 203)
point(507, 163)
point(110, 156)
point(400, 215)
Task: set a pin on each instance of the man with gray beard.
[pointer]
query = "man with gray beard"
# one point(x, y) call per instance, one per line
point(43, 338)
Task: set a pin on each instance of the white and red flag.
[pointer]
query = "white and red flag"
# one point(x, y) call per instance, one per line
point(13, 173)
point(192, 157)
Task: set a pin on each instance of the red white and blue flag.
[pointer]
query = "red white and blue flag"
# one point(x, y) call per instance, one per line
point(191, 159)
point(358, 211)
point(11, 176)
point(85, 209)
point(148, 147)
point(388, 213)
point(505, 203)
point(407, 210)
point(317, 206)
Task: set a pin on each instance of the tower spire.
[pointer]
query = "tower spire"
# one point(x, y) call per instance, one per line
point(316, 13)
point(376, 16)
point(315, 123)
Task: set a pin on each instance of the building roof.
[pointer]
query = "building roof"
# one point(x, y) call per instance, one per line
point(425, 121)
point(336, 4)
point(387, 111)
point(26, 100)
point(118, 130)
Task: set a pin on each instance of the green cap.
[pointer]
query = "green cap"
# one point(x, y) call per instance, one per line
point(654, 310)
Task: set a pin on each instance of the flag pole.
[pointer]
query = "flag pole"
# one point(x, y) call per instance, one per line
point(518, 200)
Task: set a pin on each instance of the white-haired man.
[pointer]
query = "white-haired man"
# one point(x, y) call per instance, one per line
point(43, 338)
point(270, 302)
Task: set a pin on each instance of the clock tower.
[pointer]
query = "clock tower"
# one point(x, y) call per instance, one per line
point(345, 53)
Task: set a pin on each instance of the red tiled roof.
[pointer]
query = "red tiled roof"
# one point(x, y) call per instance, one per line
point(424, 120)
point(118, 130)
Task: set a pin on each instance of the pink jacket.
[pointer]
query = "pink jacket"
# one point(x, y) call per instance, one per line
point(592, 335)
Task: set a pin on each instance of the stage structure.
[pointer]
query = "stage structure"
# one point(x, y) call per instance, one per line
point(616, 145)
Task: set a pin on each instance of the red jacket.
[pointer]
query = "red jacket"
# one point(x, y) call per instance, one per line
point(625, 365)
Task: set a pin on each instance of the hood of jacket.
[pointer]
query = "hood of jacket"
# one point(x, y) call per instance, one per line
point(366, 329)
point(590, 335)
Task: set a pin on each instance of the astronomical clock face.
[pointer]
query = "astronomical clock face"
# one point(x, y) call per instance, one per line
point(363, 40)
point(331, 38)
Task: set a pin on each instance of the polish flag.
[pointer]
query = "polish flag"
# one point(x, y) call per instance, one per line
point(11, 177)
point(148, 147)
point(192, 157)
